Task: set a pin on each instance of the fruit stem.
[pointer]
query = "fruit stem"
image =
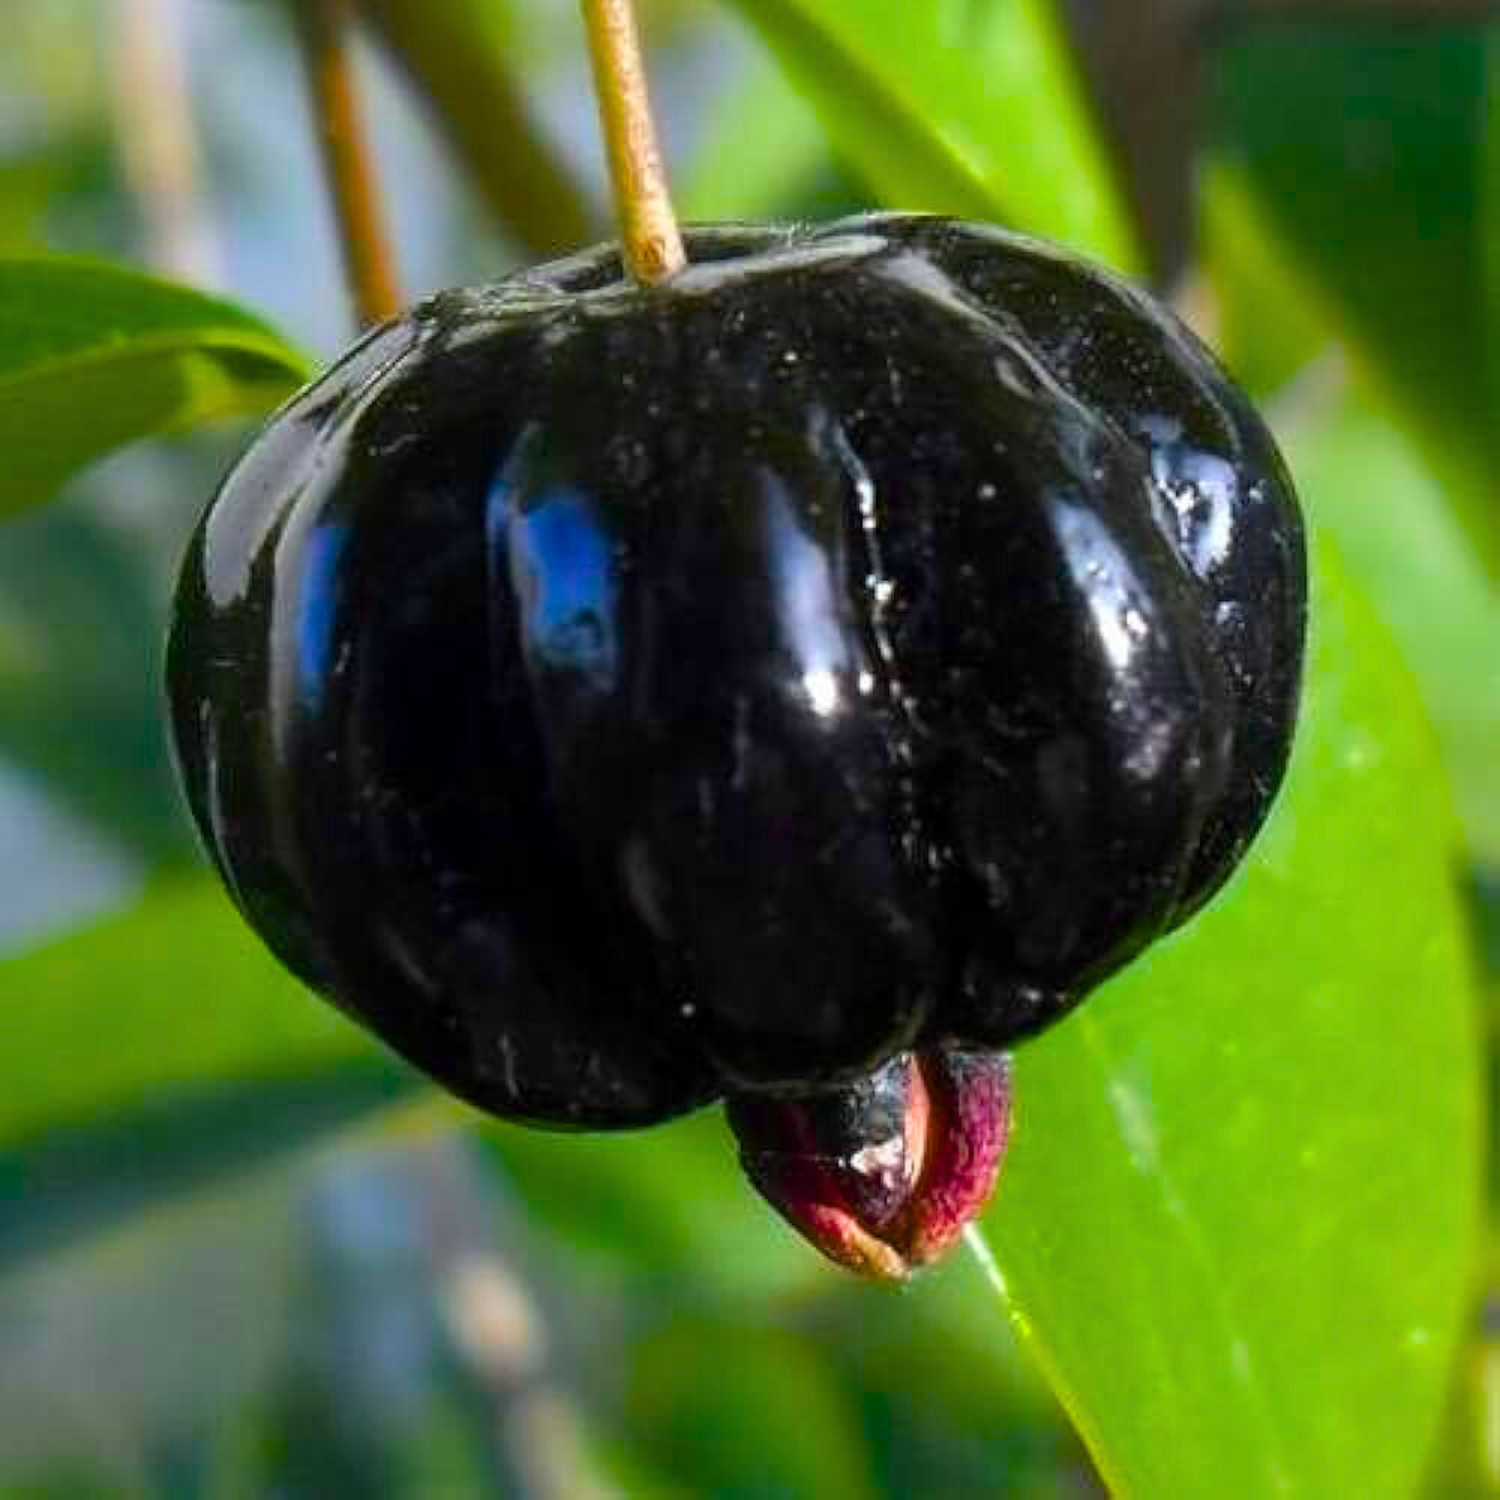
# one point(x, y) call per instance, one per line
point(648, 228)
point(348, 163)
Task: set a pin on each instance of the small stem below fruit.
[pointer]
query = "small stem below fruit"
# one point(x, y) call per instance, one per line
point(648, 227)
point(883, 1174)
point(348, 163)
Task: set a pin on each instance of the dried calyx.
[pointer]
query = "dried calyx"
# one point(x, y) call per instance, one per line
point(882, 1175)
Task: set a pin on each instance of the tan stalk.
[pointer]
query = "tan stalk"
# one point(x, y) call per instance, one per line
point(648, 227)
point(348, 164)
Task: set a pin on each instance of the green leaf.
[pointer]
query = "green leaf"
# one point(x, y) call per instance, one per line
point(1376, 167)
point(173, 994)
point(147, 1052)
point(1241, 1215)
point(960, 1408)
point(93, 356)
point(764, 148)
point(1272, 320)
point(1364, 482)
point(172, 1018)
point(1365, 478)
point(973, 108)
point(157, 1053)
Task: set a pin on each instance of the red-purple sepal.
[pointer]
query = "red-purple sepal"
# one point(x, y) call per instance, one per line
point(882, 1174)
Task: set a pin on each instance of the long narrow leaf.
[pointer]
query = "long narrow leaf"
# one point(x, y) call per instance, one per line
point(970, 108)
point(95, 356)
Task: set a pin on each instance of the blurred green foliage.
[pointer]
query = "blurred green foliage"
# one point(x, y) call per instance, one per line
point(1376, 166)
point(1242, 1220)
point(106, 356)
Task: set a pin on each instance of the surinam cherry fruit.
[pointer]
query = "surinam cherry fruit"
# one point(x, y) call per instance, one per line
point(795, 682)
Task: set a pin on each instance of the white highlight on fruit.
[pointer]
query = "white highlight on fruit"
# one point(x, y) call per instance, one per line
point(1107, 582)
point(822, 691)
point(807, 607)
point(884, 1160)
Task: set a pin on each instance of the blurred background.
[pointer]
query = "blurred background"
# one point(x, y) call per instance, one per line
point(325, 1284)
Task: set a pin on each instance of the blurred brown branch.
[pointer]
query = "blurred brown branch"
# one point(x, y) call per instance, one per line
point(451, 52)
point(369, 262)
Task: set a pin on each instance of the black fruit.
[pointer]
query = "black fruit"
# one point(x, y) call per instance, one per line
point(862, 644)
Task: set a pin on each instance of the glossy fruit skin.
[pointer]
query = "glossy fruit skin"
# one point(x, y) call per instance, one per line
point(869, 640)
